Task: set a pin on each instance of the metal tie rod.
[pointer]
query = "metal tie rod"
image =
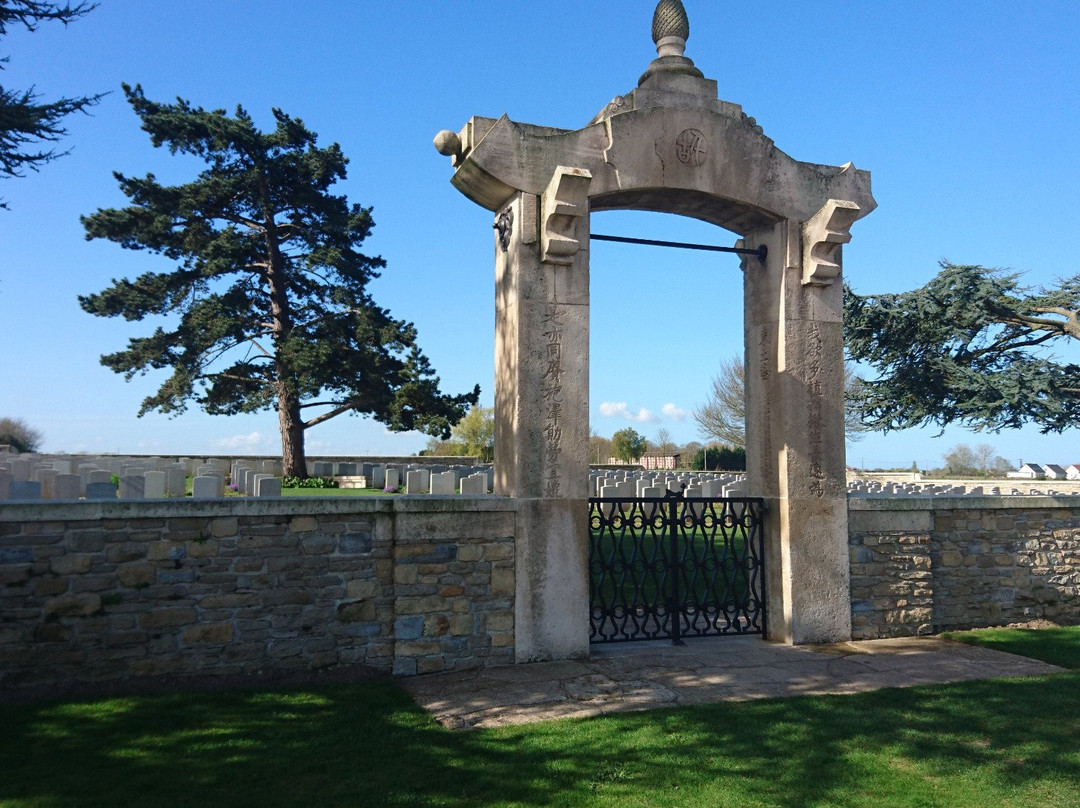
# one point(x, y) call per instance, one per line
point(761, 252)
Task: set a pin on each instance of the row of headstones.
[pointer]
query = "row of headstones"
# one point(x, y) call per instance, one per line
point(418, 479)
point(430, 480)
point(888, 489)
point(38, 477)
point(259, 478)
point(645, 484)
point(23, 466)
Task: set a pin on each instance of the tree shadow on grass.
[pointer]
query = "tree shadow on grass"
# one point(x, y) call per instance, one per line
point(369, 745)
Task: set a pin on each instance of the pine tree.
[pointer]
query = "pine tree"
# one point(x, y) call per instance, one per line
point(27, 123)
point(268, 305)
point(971, 347)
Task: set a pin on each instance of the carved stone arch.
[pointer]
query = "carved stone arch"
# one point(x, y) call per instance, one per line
point(671, 146)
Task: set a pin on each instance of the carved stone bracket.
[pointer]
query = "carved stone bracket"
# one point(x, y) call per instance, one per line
point(822, 238)
point(565, 202)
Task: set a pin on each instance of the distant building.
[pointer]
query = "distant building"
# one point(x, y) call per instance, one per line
point(656, 460)
point(1028, 471)
point(651, 460)
point(1047, 471)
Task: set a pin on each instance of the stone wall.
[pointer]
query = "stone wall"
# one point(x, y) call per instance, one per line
point(99, 591)
point(922, 565)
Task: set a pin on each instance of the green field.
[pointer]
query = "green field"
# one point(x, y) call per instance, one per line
point(1011, 743)
point(1058, 646)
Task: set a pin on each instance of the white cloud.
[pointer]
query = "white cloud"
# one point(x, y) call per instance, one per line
point(252, 443)
point(619, 409)
point(673, 412)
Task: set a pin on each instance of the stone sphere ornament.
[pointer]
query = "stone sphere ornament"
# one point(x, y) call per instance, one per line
point(448, 143)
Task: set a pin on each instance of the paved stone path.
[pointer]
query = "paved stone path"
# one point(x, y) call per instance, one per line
point(642, 676)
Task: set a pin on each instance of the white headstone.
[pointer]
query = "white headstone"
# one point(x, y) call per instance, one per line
point(267, 486)
point(154, 484)
point(47, 478)
point(206, 487)
point(132, 486)
point(175, 481)
point(443, 482)
point(474, 484)
point(414, 483)
point(67, 486)
point(99, 490)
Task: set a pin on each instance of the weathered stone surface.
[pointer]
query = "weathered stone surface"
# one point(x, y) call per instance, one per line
point(670, 145)
point(73, 606)
point(164, 618)
point(409, 628)
point(212, 634)
point(358, 611)
point(151, 587)
point(362, 589)
point(355, 542)
point(974, 568)
point(14, 574)
point(136, 574)
point(70, 564)
point(206, 548)
point(303, 524)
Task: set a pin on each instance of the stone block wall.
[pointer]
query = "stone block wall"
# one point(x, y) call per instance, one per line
point(922, 565)
point(100, 591)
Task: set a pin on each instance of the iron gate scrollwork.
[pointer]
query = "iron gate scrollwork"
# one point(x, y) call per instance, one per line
point(698, 559)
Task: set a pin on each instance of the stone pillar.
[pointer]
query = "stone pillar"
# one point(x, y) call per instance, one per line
point(542, 409)
point(795, 431)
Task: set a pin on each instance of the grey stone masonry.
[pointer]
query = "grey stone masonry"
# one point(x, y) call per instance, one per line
point(922, 565)
point(110, 591)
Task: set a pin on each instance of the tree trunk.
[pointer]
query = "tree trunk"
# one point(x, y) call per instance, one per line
point(293, 458)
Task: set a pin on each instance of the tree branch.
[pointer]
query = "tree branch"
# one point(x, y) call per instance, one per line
point(326, 416)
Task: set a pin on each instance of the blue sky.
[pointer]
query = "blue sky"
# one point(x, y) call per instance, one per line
point(965, 113)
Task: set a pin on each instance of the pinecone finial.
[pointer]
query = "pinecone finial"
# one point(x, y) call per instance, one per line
point(670, 20)
point(670, 30)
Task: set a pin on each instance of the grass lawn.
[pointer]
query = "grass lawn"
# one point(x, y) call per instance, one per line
point(1058, 646)
point(1009, 742)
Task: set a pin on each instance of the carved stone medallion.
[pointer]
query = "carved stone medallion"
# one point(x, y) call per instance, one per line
point(691, 148)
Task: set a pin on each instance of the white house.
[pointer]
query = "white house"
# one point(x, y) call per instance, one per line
point(1054, 472)
point(1028, 471)
point(1072, 472)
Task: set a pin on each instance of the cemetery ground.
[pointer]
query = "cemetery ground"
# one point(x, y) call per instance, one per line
point(1003, 742)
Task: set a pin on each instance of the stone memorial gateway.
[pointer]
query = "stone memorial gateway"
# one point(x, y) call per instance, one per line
point(669, 146)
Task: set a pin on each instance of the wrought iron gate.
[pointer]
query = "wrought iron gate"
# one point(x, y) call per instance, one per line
point(699, 559)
